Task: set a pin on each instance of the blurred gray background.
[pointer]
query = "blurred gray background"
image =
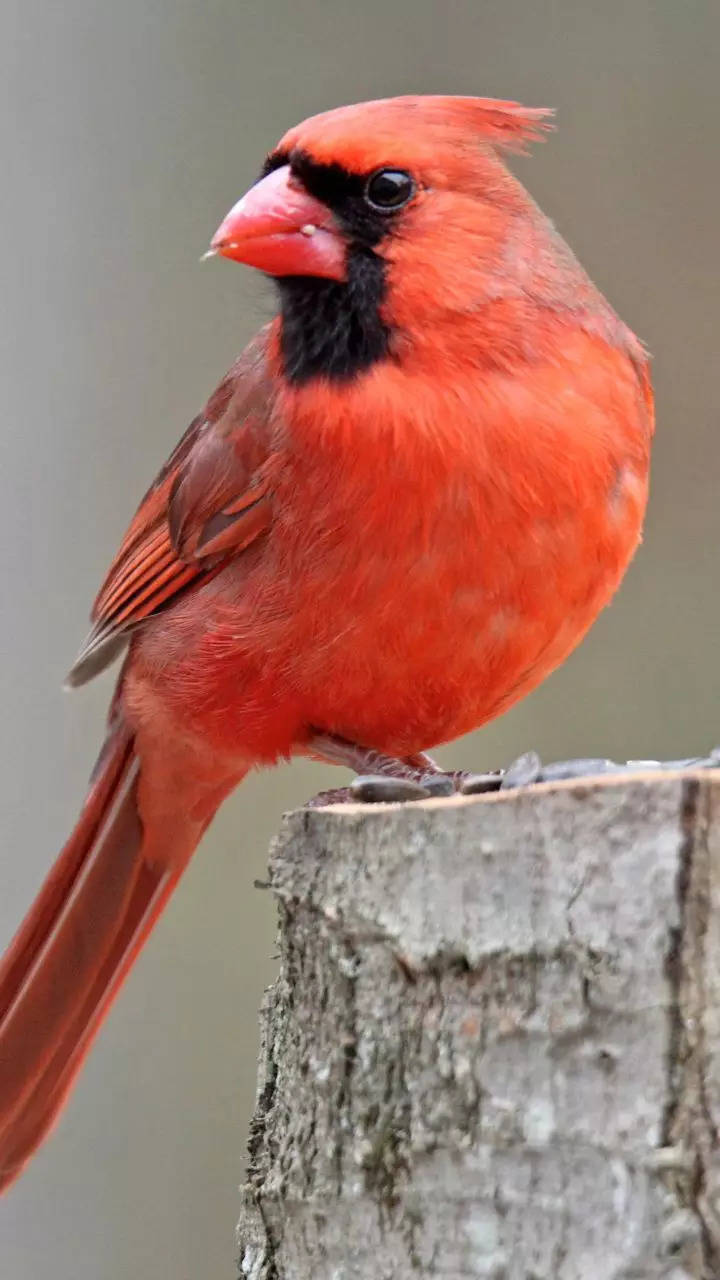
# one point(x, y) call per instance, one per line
point(127, 130)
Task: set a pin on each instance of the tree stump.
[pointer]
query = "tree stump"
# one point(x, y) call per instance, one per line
point(493, 1048)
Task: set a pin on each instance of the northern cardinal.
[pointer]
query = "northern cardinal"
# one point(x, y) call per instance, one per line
point(403, 506)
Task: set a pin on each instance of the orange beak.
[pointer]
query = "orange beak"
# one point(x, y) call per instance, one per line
point(281, 229)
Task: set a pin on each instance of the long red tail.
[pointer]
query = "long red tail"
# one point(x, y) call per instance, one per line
point(66, 963)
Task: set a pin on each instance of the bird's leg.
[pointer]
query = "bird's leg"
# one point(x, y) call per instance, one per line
point(333, 750)
point(381, 778)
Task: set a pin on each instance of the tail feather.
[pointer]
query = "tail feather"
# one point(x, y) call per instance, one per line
point(111, 766)
point(67, 961)
point(42, 1105)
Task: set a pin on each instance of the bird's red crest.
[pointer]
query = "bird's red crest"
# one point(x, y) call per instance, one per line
point(422, 122)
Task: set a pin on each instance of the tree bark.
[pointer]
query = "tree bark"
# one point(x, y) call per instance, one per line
point(493, 1048)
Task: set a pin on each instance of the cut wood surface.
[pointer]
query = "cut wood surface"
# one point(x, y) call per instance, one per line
point(493, 1047)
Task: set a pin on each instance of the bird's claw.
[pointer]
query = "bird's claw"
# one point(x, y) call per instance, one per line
point(338, 795)
point(378, 788)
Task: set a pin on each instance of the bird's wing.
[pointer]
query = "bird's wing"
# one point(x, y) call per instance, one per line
point(209, 502)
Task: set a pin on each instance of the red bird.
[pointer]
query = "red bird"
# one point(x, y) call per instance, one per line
point(404, 506)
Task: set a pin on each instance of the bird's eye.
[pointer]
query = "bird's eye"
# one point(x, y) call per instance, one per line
point(389, 189)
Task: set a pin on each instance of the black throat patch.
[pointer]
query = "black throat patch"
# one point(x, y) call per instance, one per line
point(331, 329)
point(334, 329)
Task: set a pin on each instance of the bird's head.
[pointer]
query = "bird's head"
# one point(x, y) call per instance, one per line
point(378, 217)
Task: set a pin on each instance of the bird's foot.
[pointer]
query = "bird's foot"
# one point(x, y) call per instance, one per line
point(379, 788)
point(525, 771)
point(381, 778)
point(337, 795)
